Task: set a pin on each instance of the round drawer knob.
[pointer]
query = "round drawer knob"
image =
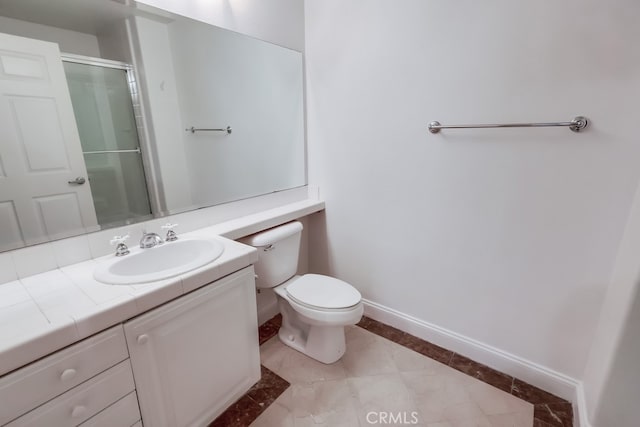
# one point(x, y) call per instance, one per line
point(142, 339)
point(78, 411)
point(67, 374)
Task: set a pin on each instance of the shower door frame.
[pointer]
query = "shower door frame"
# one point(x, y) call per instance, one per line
point(144, 146)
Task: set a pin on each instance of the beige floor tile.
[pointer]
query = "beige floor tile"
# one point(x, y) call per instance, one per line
point(518, 419)
point(295, 367)
point(493, 401)
point(407, 360)
point(466, 414)
point(382, 394)
point(378, 376)
point(321, 403)
point(367, 354)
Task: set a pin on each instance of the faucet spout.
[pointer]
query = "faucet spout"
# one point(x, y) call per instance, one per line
point(149, 240)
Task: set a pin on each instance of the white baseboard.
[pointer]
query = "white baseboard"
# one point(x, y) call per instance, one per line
point(525, 370)
point(580, 417)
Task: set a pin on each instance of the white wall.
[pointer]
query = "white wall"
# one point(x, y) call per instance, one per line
point(619, 399)
point(276, 21)
point(507, 237)
point(115, 43)
point(69, 41)
point(226, 79)
point(153, 59)
point(611, 372)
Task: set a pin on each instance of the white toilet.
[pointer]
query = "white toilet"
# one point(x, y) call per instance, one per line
point(315, 308)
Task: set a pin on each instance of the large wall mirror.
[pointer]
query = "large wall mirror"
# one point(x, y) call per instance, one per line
point(112, 114)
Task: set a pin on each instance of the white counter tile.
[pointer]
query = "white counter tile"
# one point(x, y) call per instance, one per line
point(7, 269)
point(21, 319)
point(82, 276)
point(13, 293)
point(148, 296)
point(58, 306)
point(102, 316)
point(46, 283)
point(34, 260)
point(36, 338)
point(236, 257)
point(71, 251)
point(200, 276)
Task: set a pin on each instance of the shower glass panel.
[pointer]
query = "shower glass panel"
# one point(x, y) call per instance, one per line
point(105, 118)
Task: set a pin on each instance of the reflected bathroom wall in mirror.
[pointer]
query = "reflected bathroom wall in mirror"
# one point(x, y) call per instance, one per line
point(97, 102)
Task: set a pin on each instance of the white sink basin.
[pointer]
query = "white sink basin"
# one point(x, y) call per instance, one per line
point(161, 262)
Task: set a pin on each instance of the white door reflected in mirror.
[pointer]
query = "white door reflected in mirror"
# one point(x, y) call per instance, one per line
point(40, 153)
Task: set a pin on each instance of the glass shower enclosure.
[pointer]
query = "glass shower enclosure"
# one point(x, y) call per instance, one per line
point(103, 105)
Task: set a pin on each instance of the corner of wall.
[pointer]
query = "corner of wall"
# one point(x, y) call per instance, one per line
point(580, 414)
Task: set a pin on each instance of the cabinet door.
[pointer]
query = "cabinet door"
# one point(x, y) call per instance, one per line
point(195, 356)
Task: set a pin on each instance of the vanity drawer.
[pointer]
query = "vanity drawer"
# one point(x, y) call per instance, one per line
point(82, 402)
point(35, 384)
point(123, 413)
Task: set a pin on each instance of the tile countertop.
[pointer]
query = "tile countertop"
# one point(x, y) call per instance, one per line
point(48, 311)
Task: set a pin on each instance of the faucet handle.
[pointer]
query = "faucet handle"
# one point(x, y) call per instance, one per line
point(119, 239)
point(171, 235)
point(121, 249)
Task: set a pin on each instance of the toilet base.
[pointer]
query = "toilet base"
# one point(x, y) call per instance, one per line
point(325, 344)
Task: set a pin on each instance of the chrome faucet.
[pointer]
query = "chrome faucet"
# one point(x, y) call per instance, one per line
point(171, 235)
point(121, 249)
point(149, 240)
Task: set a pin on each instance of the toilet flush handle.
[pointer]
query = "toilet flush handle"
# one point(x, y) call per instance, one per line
point(269, 247)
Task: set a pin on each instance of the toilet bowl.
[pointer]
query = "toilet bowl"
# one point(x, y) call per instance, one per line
point(315, 308)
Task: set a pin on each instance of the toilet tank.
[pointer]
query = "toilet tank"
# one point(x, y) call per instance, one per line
point(278, 250)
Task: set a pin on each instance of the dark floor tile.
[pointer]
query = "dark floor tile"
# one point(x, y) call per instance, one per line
point(416, 344)
point(379, 328)
point(482, 372)
point(266, 332)
point(267, 390)
point(277, 320)
point(269, 329)
point(554, 414)
point(254, 402)
point(533, 394)
point(425, 348)
point(240, 414)
point(538, 423)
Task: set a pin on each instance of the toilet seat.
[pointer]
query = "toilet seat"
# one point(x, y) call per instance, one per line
point(320, 292)
point(317, 315)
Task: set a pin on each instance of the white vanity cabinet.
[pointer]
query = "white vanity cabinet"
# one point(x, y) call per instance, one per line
point(195, 356)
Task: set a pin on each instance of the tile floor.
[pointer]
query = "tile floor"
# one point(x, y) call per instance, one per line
point(387, 377)
point(381, 382)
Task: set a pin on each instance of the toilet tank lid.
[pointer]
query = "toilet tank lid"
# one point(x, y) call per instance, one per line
point(273, 235)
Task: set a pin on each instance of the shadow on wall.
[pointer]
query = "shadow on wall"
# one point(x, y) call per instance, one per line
point(319, 259)
point(618, 406)
point(572, 314)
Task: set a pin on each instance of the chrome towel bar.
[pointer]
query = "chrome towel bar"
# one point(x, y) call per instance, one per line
point(577, 124)
point(192, 129)
point(136, 150)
